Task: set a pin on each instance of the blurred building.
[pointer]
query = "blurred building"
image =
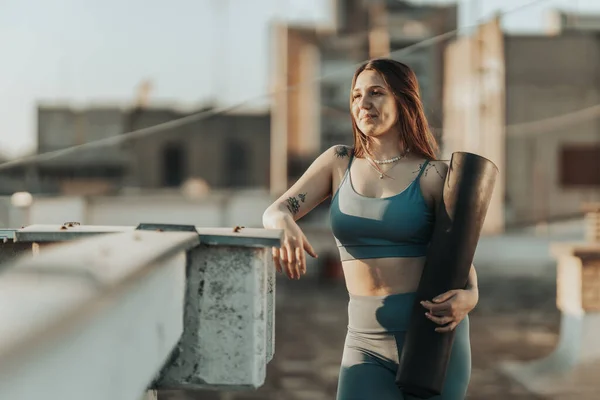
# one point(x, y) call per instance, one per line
point(60, 126)
point(560, 21)
point(387, 28)
point(318, 62)
point(222, 151)
point(227, 151)
point(532, 105)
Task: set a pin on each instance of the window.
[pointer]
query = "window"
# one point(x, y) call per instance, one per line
point(237, 164)
point(173, 165)
point(580, 165)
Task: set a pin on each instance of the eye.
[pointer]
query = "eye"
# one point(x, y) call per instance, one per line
point(376, 93)
point(355, 96)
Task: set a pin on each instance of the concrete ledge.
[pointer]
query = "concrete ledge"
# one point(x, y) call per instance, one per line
point(235, 236)
point(229, 335)
point(226, 304)
point(577, 282)
point(559, 372)
point(92, 320)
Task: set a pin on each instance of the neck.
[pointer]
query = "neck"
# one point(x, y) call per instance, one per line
point(385, 148)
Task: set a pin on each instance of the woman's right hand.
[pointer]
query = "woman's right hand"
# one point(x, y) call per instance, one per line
point(291, 255)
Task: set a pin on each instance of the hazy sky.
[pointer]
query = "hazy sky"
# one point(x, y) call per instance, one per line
point(192, 50)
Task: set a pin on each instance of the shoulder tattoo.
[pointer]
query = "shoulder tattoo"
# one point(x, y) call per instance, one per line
point(293, 203)
point(429, 167)
point(342, 151)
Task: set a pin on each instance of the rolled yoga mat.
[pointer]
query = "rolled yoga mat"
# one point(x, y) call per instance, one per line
point(466, 196)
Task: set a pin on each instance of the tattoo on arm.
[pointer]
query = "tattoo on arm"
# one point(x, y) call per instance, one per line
point(342, 151)
point(436, 170)
point(429, 166)
point(293, 204)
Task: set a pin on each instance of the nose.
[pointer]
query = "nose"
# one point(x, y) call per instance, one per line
point(364, 102)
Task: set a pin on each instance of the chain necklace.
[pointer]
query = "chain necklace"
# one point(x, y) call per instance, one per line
point(381, 174)
point(381, 162)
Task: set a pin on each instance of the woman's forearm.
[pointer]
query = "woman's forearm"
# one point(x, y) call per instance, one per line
point(275, 215)
point(472, 280)
point(472, 285)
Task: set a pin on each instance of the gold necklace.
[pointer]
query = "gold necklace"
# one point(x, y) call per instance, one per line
point(381, 174)
point(392, 160)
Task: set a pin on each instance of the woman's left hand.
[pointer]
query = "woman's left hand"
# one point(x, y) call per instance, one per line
point(450, 308)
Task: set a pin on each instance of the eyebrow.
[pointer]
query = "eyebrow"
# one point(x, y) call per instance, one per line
point(370, 87)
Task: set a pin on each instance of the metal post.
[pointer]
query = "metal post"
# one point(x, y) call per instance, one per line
point(150, 395)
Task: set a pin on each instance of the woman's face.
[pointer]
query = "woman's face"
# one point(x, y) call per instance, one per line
point(373, 105)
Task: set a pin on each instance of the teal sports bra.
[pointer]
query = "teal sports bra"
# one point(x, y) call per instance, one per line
point(396, 226)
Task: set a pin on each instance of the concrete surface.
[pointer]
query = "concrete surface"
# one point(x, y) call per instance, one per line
point(92, 320)
point(225, 341)
point(516, 320)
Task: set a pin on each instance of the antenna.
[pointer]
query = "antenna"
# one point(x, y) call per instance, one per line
point(143, 93)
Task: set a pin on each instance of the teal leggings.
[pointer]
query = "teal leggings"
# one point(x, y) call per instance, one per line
point(376, 330)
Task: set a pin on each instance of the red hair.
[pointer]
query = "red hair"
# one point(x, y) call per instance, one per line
point(412, 123)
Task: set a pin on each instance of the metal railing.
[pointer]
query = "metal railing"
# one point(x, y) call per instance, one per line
point(104, 312)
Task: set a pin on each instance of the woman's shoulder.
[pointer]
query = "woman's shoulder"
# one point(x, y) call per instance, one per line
point(433, 177)
point(342, 151)
point(335, 157)
point(437, 169)
point(340, 154)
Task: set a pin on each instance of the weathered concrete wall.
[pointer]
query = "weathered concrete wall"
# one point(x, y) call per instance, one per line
point(474, 107)
point(198, 304)
point(91, 303)
point(498, 89)
point(228, 339)
point(548, 77)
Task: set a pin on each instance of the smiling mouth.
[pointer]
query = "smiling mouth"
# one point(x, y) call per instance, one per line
point(369, 117)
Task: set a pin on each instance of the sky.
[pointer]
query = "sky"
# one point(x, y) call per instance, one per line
point(193, 51)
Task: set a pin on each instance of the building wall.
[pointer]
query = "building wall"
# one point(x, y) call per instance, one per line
point(303, 98)
point(503, 96)
point(217, 209)
point(224, 151)
point(409, 24)
point(548, 77)
point(396, 26)
point(474, 107)
point(61, 126)
point(560, 21)
point(336, 126)
point(295, 124)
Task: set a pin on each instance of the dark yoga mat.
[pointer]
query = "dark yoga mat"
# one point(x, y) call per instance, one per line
point(467, 193)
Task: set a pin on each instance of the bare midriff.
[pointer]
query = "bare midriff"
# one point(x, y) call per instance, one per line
point(383, 276)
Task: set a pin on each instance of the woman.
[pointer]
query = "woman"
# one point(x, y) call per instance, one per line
point(385, 191)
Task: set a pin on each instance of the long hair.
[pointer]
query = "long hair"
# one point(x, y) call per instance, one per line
point(412, 123)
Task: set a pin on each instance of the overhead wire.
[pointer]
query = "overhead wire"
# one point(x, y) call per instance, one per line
point(205, 114)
